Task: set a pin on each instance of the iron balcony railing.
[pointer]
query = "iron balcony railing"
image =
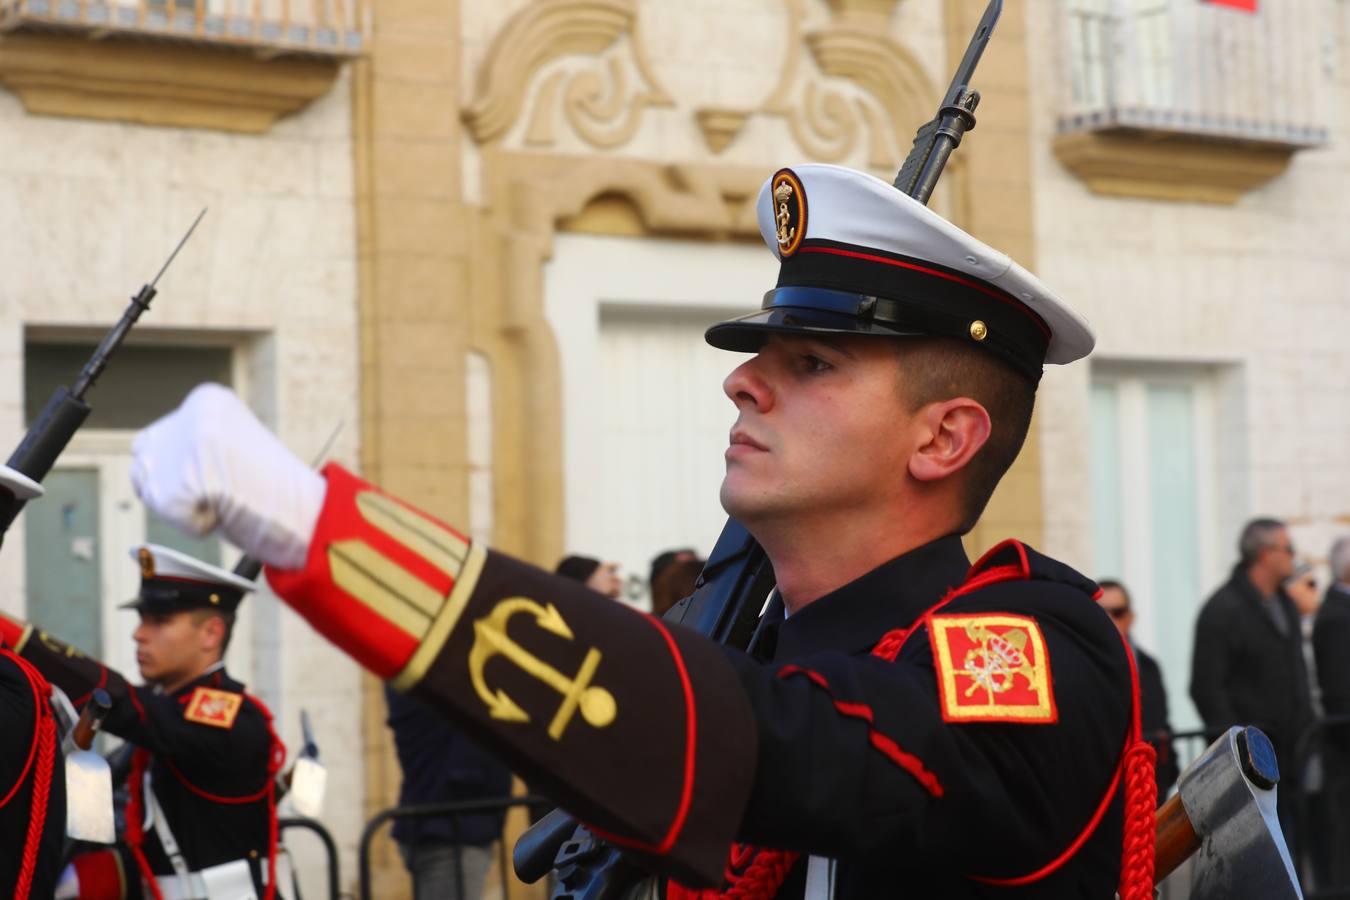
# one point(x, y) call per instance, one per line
point(334, 28)
point(1199, 68)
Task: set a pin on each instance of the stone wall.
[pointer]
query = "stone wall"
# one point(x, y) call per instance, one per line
point(89, 211)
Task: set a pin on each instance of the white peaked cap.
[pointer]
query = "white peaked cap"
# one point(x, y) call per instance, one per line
point(860, 256)
point(19, 484)
point(166, 562)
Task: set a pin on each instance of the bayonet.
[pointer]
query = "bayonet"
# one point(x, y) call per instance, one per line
point(935, 140)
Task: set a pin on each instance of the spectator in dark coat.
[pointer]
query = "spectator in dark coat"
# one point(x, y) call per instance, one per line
point(1248, 666)
point(1152, 694)
point(1331, 646)
point(448, 857)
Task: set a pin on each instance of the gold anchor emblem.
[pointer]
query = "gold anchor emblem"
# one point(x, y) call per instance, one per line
point(490, 639)
point(783, 193)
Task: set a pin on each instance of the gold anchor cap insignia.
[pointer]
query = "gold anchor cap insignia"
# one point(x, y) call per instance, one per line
point(147, 561)
point(490, 639)
point(789, 211)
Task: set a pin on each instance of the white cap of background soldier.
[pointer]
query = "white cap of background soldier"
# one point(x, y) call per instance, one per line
point(173, 581)
point(15, 487)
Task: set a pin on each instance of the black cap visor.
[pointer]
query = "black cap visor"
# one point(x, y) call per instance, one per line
point(806, 310)
point(164, 596)
point(1007, 334)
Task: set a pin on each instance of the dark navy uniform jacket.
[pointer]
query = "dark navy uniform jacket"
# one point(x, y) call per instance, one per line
point(208, 745)
point(1005, 798)
point(982, 743)
point(20, 765)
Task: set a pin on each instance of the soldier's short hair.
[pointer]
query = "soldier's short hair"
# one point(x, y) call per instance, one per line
point(936, 369)
point(1257, 535)
point(201, 614)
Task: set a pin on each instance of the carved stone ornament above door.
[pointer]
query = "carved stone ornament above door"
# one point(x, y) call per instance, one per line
point(622, 76)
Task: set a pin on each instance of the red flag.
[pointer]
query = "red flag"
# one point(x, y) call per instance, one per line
point(1244, 5)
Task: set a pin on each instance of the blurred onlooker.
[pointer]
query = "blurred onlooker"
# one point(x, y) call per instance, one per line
point(1248, 666)
point(447, 857)
point(666, 557)
point(603, 578)
point(1152, 695)
point(1301, 586)
point(1331, 638)
point(674, 582)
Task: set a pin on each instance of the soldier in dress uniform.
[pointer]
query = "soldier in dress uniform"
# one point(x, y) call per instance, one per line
point(201, 820)
point(912, 722)
point(32, 781)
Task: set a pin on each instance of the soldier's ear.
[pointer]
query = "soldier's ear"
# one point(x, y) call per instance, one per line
point(951, 433)
point(212, 632)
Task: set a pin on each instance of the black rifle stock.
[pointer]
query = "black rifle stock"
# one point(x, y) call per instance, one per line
point(737, 579)
point(66, 411)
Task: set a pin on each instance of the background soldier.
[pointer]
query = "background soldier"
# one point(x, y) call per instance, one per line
point(205, 748)
point(901, 730)
point(32, 782)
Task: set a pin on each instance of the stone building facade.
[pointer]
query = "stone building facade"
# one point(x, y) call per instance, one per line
point(491, 239)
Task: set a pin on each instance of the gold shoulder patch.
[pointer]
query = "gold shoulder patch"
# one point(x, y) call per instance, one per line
point(208, 706)
point(992, 667)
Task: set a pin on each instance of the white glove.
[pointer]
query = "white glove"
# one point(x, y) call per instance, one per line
point(210, 463)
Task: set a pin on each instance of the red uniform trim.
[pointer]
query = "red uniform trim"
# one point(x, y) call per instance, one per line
point(33, 684)
point(690, 750)
point(888, 747)
point(102, 682)
point(136, 702)
point(101, 876)
point(977, 579)
point(42, 761)
point(140, 761)
point(947, 276)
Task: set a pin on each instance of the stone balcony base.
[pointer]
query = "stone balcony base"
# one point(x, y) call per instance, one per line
point(1162, 165)
point(148, 82)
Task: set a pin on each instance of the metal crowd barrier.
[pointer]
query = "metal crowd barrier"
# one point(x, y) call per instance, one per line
point(329, 846)
point(436, 810)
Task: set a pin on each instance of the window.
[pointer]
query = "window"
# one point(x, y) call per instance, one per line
point(78, 534)
point(1154, 465)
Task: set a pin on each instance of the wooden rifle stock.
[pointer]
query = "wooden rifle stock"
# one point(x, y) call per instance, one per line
point(1176, 841)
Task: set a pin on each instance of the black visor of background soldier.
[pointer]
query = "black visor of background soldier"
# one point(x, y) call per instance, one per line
point(859, 257)
point(15, 486)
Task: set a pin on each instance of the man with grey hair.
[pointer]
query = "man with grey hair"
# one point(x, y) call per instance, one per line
point(1331, 640)
point(1248, 667)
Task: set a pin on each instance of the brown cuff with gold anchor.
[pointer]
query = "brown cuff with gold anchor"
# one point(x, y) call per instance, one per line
point(638, 728)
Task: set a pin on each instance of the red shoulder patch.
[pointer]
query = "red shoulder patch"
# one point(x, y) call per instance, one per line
point(208, 706)
point(992, 667)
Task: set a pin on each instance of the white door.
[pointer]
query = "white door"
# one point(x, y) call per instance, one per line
point(645, 421)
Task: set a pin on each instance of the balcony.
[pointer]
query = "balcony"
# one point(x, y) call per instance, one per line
point(321, 28)
point(1189, 100)
point(232, 65)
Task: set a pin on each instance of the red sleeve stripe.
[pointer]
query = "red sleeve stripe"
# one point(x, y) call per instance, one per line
point(136, 702)
point(102, 682)
point(690, 748)
point(888, 747)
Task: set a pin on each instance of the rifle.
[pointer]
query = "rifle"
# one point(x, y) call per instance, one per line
point(66, 411)
point(738, 578)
